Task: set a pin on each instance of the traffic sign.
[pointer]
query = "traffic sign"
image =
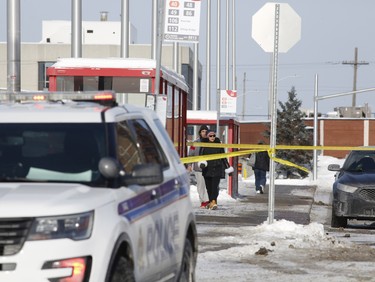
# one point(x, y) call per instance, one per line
point(263, 27)
point(181, 20)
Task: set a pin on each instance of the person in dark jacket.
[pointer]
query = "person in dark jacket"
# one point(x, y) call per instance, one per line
point(194, 151)
point(213, 170)
point(261, 166)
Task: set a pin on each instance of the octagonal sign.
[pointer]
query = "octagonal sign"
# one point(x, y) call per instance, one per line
point(263, 27)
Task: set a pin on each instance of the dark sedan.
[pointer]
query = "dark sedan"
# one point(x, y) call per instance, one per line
point(354, 188)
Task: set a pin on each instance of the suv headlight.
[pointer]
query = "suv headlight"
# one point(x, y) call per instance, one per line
point(346, 188)
point(75, 227)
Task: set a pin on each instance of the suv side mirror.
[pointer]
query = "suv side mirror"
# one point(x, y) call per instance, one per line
point(110, 168)
point(334, 167)
point(142, 174)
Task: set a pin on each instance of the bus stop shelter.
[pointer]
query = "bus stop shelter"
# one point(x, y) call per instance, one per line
point(228, 132)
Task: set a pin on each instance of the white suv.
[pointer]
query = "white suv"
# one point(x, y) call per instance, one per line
point(91, 193)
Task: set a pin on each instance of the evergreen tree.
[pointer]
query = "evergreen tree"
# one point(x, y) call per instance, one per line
point(291, 130)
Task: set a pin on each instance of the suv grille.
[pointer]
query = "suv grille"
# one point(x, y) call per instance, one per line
point(367, 194)
point(13, 233)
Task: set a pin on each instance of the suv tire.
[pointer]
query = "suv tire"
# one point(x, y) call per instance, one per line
point(122, 270)
point(188, 264)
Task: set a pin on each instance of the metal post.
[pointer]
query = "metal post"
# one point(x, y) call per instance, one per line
point(13, 46)
point(195, 79)
point(208, 55)
point(159, 44)
point(124, 28)
point(176, 57)
point(154, 28)
point(234, 86)
point(218, 113)
point(227, 46)
point(271, 196)
point(315, 156)
point(218, 43)
point(244, 96)
point(76, 40)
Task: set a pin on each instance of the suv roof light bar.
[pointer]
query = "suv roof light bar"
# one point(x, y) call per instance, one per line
point(59, 96)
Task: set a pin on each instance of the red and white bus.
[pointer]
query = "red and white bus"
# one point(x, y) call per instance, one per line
point(133, 80)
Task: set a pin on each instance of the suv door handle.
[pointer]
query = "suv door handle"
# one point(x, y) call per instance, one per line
point(154, 194)
point(177, 184)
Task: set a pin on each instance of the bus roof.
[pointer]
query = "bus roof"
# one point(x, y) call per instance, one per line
point(105, 63)
point(122, 63)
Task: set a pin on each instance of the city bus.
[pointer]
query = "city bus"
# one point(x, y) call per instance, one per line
point(133, 81)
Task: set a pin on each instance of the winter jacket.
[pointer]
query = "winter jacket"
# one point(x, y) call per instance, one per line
point(194, 151)
point(214, 168)
point(262, 161)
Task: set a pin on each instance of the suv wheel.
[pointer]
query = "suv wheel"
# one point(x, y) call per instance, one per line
point(187, 266)
point(338, 221)
point(122, 270)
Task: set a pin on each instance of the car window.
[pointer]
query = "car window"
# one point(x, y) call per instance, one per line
point(360, 160)
point(127, 151)
point(137, 144)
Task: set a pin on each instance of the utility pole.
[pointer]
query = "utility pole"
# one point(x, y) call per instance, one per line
point(355, 63)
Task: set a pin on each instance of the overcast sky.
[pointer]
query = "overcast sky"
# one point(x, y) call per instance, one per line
point(330, 32)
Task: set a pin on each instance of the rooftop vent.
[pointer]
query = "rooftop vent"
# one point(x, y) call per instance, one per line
point(103, 16)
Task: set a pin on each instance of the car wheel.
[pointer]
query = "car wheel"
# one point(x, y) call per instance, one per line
point(337, 221)
point(187, 271)
point(122, 271)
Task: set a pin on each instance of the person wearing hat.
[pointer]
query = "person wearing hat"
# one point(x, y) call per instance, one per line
point(201, 186)
point(213, 170)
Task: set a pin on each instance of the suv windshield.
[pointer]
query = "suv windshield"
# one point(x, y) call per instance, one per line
point(51, 152)
point(360, 161)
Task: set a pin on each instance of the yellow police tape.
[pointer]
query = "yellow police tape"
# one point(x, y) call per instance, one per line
point(257, 148)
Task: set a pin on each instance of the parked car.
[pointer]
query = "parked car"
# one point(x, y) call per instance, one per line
point(354, 188)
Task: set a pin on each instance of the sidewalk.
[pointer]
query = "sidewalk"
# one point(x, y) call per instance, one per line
point(292, 202)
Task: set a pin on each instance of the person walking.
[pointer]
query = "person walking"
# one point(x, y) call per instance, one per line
point(201, 186)
point(213, 170)
point(260, 168)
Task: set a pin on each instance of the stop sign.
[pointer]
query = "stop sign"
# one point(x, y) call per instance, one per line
point(263, 27)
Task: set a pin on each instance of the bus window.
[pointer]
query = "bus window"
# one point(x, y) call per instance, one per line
point(105, 83)
point(65, 83)
point(77, 83)
point(131, 85)
point(90, 83)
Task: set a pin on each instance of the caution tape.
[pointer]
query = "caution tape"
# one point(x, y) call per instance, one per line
point(279, 147)
point(194, 159)
point(258, 148)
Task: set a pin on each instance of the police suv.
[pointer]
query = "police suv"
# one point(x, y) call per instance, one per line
point(91, 192)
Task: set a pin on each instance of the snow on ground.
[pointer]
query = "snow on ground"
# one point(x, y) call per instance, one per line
point(283, 250)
